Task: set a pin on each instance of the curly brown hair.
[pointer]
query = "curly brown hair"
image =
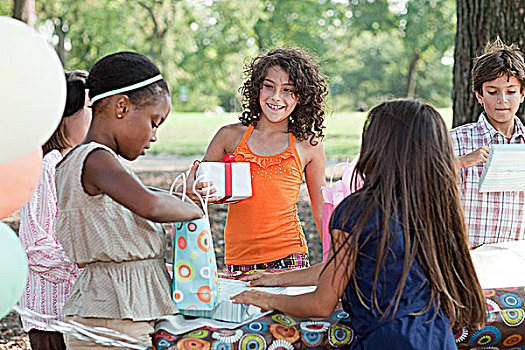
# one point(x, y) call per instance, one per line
point(306, 120)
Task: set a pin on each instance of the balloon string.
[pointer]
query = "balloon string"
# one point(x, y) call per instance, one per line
point(81, 331)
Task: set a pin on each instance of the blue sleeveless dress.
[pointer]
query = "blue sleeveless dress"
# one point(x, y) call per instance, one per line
point(404, 331)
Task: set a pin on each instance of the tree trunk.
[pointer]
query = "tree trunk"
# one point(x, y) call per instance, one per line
point(24, 10)
point(60, 49)
point(480, 21)
point(411, 81)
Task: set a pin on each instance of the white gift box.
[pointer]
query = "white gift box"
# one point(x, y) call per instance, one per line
point(232, 180)
point(226, 310)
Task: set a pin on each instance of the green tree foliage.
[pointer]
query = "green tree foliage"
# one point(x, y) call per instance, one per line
point(6, 8)
point(426, 28)
point(371, 50)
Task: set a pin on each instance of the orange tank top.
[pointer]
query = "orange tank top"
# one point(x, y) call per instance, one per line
point(266, 227)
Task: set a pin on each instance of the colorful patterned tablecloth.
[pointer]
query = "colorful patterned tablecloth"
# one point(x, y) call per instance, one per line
point(504, 330)
point(273, 331)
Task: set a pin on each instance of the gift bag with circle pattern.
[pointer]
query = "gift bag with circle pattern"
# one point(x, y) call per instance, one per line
point(194, 284)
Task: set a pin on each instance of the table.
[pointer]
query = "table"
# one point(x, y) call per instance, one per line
point(273, 331)
point(504, 330)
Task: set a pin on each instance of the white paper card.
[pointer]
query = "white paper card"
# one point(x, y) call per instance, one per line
point(504, 169)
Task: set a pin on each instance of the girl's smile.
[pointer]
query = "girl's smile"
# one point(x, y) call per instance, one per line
point(274, 107)
point(277, 98)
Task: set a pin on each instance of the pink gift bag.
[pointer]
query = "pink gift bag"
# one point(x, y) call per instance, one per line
point(328, 209)
point(333, 195)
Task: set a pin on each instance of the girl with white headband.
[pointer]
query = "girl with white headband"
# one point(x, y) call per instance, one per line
point(108, 221)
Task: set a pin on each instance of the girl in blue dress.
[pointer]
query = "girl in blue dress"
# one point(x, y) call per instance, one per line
point(400, 260)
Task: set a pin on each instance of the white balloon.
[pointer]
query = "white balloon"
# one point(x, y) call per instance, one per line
point(32, 89)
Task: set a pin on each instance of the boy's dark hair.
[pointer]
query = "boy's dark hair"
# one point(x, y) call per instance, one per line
point(306, 120)
point(75, 99)
point(406, 161)
point(498, 59)
point(123, 69)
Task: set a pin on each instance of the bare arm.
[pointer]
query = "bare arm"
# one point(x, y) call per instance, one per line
point(315, 178)
point(319, 303)
point(470, 159)
point(297, 277)
point(103, 174)
point(224, 141)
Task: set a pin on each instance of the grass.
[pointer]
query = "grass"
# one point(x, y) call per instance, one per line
point(188, 134)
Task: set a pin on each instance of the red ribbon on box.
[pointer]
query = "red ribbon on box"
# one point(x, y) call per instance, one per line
point(228, 186)
point(228, 159)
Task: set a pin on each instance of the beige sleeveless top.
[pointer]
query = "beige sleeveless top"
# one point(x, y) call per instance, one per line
point(125, 276)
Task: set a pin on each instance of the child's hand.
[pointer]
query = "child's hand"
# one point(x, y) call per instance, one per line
point(254, 297)
point(200, 187)
point(264, 279)
point(478, 156)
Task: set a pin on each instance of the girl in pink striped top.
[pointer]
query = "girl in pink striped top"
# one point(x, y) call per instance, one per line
point(51, 273)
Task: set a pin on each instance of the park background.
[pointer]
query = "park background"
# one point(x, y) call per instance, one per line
point(370, 51)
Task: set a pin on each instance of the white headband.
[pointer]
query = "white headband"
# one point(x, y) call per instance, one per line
point(126, 88)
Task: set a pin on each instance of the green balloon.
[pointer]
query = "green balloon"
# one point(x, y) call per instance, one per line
point(13, 269)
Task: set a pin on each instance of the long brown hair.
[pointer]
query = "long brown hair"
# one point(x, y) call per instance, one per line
point(76, 94)
point(407, 164)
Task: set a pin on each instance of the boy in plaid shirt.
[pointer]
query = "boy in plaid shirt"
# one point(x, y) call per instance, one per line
point(498, 78)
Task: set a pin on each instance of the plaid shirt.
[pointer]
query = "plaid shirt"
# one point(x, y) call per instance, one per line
point(490, 217)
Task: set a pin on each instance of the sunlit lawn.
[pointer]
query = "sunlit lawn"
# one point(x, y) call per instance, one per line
point(188, 134)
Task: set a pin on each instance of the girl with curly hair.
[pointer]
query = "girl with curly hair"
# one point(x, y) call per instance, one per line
point(280, 135)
